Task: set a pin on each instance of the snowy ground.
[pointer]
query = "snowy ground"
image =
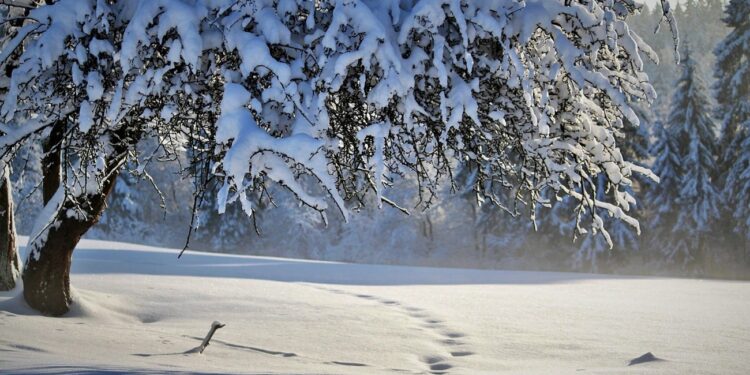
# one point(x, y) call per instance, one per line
point(139, 309)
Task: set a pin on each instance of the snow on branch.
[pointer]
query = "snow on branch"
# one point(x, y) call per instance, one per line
point(335, 99)
point(669, 18)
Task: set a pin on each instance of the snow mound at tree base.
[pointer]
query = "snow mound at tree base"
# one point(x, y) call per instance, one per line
point(139, 310)
point(86, 305)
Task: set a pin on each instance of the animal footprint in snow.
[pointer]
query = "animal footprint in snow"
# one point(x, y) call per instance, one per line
point(452, 342)
point(431, 359)
point(453, 335)
point(440, 367)
point(436, 364)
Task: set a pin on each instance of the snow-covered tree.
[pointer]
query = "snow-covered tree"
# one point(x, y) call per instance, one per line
point(493, 217)
point(125, 212)
point(600, 249)
point(9, 262)
point(596, 249)
point(230, 230)
point(555, 230)
point(345, 94)
point(703, 20)
point(499, 227)
point(698, 198)
point(26, 179)
point(732, 90)
point(662, 197)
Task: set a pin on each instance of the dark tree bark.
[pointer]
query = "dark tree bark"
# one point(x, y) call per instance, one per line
point(46, 275)
point(9, 265)
point(51, 162)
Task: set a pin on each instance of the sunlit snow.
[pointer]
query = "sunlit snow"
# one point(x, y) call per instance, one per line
point(140, 309)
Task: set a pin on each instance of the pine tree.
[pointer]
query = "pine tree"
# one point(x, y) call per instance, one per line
point(555, 232)
point(703, 15)
point(125, 214)
point(698, 196)
point(733, 98)
point(662, 197)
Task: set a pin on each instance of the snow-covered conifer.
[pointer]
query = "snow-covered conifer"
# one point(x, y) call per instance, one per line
point(693, 129)
point(661, 198)
point(125, 212)
point(733, 97)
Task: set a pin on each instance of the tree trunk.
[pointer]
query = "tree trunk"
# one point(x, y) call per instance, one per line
point(46, 275)
point(9, 264)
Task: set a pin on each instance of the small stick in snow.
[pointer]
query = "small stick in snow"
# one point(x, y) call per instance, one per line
point(214, 326)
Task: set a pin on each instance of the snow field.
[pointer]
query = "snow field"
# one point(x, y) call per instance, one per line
point(139, 309)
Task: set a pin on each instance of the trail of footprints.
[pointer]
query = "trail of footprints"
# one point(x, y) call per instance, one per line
point(451, 340)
